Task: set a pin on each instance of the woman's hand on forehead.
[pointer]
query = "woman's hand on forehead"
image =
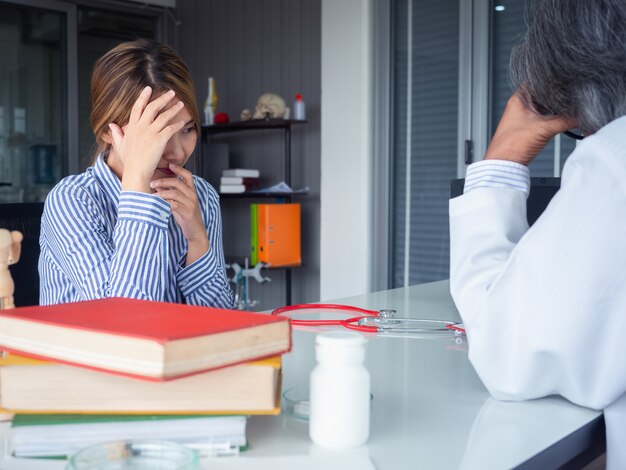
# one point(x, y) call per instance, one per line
point(140, 144)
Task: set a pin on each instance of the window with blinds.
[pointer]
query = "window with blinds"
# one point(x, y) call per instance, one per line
point(508, 24)
point(424, 136)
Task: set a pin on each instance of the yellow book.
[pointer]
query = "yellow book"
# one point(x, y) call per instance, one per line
point(33, 386)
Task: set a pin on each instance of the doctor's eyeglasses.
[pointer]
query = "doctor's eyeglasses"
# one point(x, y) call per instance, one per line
point(577, 135)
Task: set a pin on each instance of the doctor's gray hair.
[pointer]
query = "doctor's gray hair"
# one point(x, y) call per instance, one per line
point(572, 61)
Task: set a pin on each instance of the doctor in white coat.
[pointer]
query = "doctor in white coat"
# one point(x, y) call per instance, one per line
point(545, 307)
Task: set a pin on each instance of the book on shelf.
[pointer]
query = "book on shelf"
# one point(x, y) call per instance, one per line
point(140, 338)
point(241, 172)
point(64, 434)
point(32, 386)
point(237, 184)
point(278, 234)
point(281, 188)
point(234, 188)
point(251, 182)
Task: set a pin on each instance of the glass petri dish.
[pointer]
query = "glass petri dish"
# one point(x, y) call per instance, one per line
point(135, 455)
point(296, 402)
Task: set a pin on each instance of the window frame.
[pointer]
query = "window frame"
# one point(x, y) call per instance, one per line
point(382, 143)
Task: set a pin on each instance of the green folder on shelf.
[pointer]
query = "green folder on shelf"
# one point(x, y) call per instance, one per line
point(254, 234)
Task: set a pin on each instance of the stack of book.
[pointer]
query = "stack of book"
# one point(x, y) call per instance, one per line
point(87, 372)
point(238, 180)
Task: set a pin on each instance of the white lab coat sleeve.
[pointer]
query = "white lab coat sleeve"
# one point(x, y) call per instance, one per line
point(545, 307)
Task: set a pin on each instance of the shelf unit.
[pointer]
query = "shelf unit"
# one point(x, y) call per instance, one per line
point(256, 125)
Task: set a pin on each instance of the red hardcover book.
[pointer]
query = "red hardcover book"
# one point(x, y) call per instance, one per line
point(144, 339)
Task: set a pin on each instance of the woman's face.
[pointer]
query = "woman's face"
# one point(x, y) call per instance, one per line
point(179, 148)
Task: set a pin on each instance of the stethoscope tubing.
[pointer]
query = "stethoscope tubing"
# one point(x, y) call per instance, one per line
point(349, 323)
point(353, 323)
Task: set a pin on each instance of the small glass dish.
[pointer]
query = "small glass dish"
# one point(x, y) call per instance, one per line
point(296, 402)
point(135, 455)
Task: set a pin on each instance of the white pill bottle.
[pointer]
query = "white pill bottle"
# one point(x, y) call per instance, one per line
point(299, 109)
point(339, 391)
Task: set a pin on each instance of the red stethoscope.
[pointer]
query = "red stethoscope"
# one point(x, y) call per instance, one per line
point(372, 321)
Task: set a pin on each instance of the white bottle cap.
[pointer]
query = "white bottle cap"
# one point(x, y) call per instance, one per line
point(342, 346)
point(347, 338)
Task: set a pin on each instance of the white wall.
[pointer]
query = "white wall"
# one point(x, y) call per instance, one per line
point(346, 159)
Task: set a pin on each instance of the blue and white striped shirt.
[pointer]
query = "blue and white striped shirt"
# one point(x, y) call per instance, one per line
point(499, 174)
point(97, 241)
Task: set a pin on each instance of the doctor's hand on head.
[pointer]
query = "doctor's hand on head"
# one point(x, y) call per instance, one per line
point(522, 133)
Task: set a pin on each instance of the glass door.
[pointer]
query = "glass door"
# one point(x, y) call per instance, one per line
point(48, 51)
point(450, 84)
point(424, 136)
point(33, 110)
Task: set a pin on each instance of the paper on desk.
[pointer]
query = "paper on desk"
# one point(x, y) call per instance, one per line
point(32, 464)
point(282, 188)
point(336, 461)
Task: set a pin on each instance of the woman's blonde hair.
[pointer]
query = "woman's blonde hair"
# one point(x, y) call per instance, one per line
point(121, 74)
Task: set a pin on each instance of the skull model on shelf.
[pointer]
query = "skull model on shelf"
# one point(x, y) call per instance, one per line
point(270, 106)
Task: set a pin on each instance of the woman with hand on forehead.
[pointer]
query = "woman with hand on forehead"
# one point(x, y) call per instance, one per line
point(136, 224)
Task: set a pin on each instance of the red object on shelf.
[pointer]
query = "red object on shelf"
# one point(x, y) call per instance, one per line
point(221, 118)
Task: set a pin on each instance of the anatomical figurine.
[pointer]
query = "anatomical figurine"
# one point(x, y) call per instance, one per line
point(10, 246)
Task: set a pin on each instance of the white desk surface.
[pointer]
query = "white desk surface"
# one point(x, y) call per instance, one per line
point(429, 409)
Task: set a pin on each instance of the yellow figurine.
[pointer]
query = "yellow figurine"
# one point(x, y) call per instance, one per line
point(10, 247)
